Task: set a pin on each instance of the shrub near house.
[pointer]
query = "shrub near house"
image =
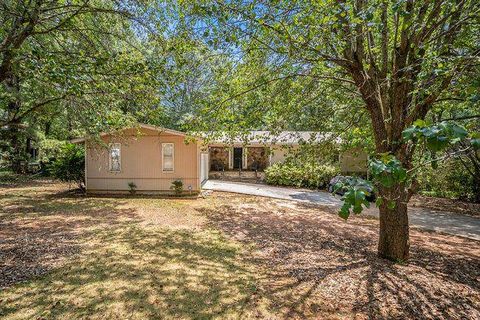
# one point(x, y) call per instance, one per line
point(69, 165)
point(309, 175)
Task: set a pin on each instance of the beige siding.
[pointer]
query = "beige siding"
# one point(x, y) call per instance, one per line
point(280, 153)
point(353, 160)
point(141, 162)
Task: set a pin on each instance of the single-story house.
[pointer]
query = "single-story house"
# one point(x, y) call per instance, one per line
point(152, 158)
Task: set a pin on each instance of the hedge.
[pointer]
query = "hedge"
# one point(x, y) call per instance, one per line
point(300, 175)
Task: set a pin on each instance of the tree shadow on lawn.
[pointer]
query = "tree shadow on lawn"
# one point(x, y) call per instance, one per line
point(140, 273)
point(38, 232)
point(10, 180)
point(96, 258)
point(322, 266)
point(307, 264)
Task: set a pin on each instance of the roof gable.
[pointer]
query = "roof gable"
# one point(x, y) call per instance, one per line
point(140, 125)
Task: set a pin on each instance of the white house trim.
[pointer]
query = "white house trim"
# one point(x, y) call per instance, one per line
point(244, 158)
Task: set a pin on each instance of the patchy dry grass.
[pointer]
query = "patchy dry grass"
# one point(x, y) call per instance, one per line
point(63, 256)
point(115, 258)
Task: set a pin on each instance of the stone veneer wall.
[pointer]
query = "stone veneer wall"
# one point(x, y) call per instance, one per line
point(258, 155)
point(218, 155)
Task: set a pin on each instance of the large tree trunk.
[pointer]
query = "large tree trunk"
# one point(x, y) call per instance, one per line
point(16, 149)
point(394, 232)
point(17, 155)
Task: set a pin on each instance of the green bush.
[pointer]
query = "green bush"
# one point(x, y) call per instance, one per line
point(69, 166)
point(177, 186)
point(51, 149)
point(309, 175)
point(132, 187)
point(450, 180)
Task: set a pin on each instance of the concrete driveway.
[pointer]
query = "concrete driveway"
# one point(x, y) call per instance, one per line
point(451, 223)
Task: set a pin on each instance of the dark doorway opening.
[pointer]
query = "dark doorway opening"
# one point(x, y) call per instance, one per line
point(237, 158)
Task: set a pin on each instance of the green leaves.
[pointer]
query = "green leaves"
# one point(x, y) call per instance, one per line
point(354, 199)
point(355, 196)
point(410, 133)
point(387, 170)
point(457, 131)
point(93, 71)
point(436, 137)
point(475, 140)
point(475, 143)
point(439, 137)
point(391, 205)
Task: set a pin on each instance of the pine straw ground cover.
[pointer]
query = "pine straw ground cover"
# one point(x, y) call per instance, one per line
point(63, 256)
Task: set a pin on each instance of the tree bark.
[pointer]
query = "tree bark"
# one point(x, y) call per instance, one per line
point(17, 155)
point(394, 241)
point(16, 150)
point(395, 95)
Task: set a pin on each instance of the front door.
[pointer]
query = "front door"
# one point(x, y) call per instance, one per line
point(237, 158)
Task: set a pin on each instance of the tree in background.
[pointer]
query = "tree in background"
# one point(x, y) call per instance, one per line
point(462, 105)
point(69, 166)
point(79, 61)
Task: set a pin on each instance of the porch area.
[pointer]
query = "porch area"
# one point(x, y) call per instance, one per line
point(238, 176)
point(238, 163)
point(238, 158)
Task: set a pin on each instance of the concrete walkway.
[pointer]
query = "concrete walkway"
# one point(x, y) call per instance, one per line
point(451, 223)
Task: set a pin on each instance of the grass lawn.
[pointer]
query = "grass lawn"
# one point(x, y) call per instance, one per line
point(64, 256)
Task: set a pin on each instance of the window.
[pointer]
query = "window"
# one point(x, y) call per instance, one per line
point(114, 157)
point(167, 157)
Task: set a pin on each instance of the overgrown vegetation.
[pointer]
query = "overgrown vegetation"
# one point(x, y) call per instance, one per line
point(69, 166)
point(450, 180)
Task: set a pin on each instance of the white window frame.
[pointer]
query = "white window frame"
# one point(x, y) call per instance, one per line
point(173, 157)
point(112, 146)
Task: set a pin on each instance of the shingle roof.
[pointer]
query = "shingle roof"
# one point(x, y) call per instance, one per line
point(267, 137)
